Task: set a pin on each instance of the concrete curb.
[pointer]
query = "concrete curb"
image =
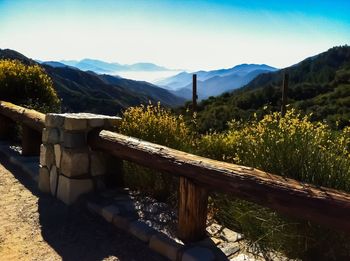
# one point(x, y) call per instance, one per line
point(157, 241)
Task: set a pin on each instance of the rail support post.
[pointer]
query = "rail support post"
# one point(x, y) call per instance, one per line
point(31, 141)
point(115, 173)
point(6, 128)
point(193, 208)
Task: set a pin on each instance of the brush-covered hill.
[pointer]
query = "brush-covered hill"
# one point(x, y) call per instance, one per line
point(144, 88)
point(319, 84)
point(82, 91)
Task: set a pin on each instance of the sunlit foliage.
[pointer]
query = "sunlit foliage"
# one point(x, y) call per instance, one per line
point(292, 146)
point(27, 85)
point(155, 124)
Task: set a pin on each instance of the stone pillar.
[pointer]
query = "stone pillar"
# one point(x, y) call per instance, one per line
point(69, 167)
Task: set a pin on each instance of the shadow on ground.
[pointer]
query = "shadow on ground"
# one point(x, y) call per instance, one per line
point(76, 234)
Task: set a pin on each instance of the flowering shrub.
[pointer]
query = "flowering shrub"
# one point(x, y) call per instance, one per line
point(291, 146)
point(155, 124)
point(27, 85)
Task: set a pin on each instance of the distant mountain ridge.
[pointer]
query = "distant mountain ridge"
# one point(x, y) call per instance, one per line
point(215, 82)
point(319, 85)
point(99, 66)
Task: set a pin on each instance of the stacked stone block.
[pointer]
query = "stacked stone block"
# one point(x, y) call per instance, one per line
point(68, 166)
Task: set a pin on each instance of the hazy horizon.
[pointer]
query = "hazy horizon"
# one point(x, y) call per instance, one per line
point(189, 35)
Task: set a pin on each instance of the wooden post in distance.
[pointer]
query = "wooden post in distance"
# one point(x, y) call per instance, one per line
point(194, 93)
point(284, 93)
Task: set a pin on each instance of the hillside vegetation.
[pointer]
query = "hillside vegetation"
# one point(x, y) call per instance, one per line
point(319, 85)
point(293, 146)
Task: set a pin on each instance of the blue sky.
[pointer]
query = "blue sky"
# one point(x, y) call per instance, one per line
point(178, 34)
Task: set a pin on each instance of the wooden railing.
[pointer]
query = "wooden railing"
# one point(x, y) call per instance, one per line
point(199, 175)
point(31, 121)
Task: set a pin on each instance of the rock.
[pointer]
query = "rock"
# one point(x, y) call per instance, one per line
point(53, 136)
point(141, 230)
point(122, 222)
point(54, 120)
point(98, 122)
point(74, 163)
point(243, 257)
point(44, 180)
point(46, 155)
point(44, 135)
point(74, 139)
point(69, 190)
point(214, 228)
point(229, 248)
point(53, 180)
point(165, 246)
point(58, 154)
point(229, 235)
point(75, 122)
point(123, 197)
point(126, 206)
point(109, 212)
point(198, 254)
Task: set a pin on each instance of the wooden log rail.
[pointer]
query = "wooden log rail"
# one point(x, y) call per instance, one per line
point(32, 123)
point(198, 175)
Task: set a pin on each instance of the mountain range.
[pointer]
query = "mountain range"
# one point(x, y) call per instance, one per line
point(319, 85)
point(82, 91)
point(99, 66)
point(209, 83)
point(215, 82)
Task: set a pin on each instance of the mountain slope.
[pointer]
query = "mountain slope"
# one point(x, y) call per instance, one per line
point(319, 84)
point(146, 89)
point(13, 55)
point(102, 96)
point(88, 92)
point(54, 64)
point(216, 82)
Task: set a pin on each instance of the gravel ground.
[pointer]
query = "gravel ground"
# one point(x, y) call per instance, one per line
point(34, 226)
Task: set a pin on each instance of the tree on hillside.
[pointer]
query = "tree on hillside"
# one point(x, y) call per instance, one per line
point(27, 85)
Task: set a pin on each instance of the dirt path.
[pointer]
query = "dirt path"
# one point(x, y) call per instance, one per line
point(37, 227)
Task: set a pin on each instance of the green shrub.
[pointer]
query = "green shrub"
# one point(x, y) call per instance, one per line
point(27, 86)
point(154, 124)
point(293, 147)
